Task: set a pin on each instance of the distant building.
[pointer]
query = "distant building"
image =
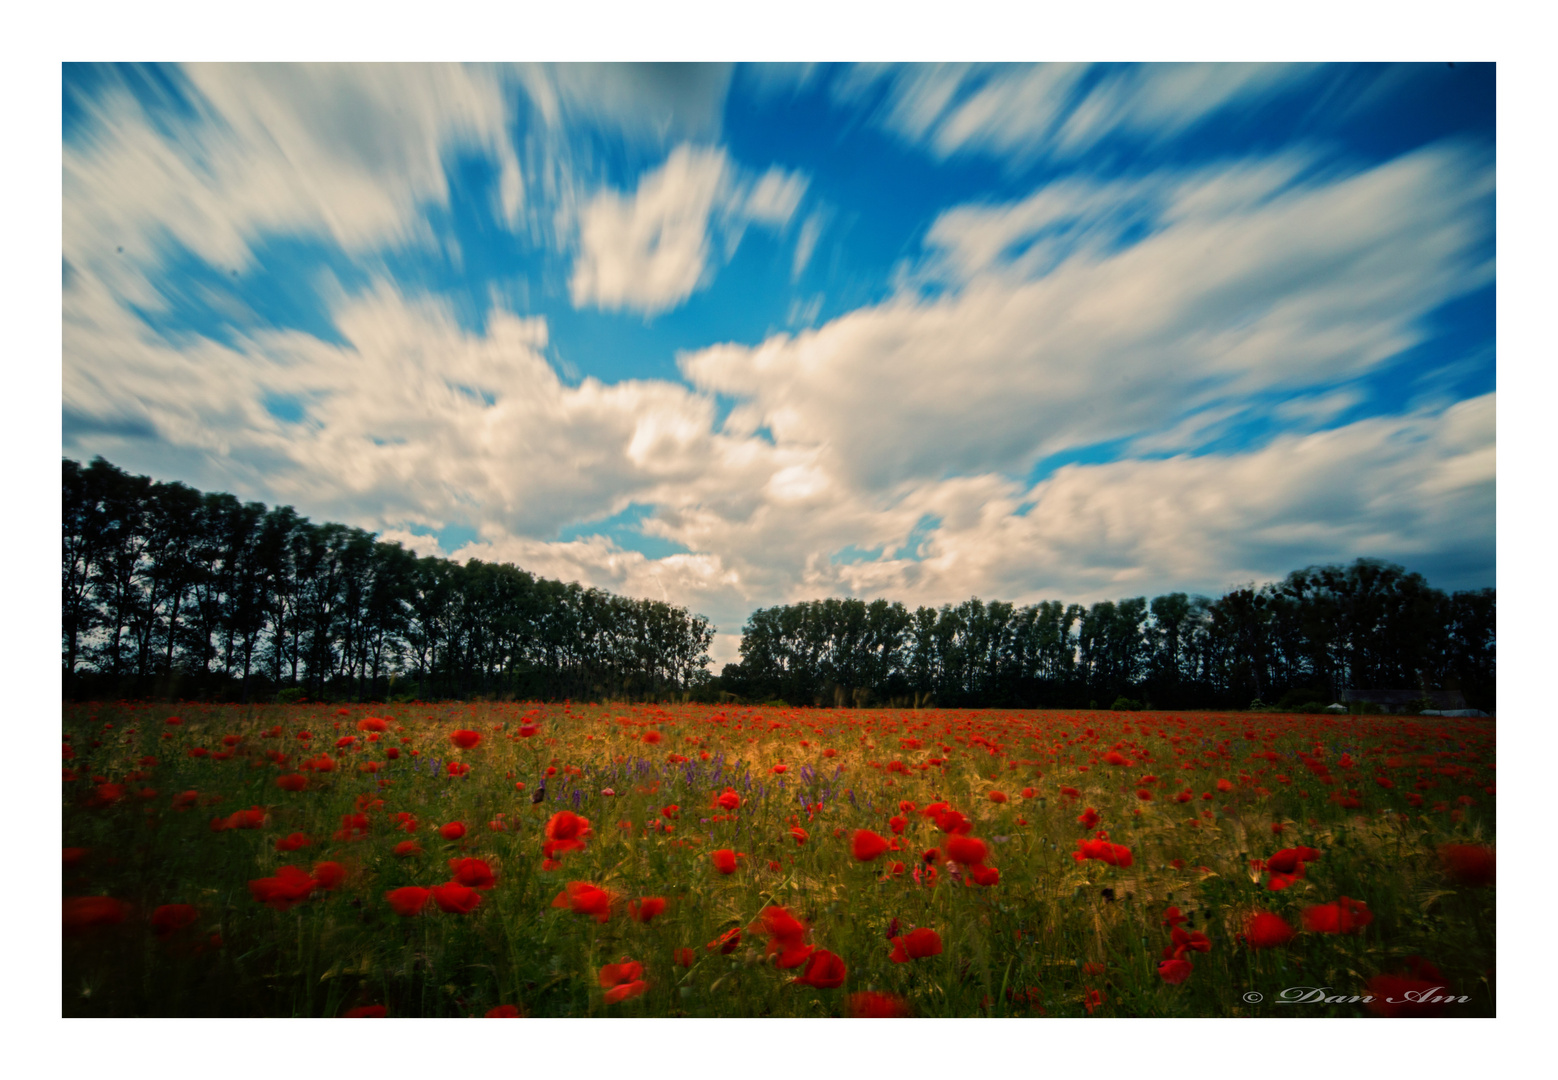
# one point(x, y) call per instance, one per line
point(1395, 700)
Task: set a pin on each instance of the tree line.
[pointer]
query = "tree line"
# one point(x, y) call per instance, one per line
point(1302, 641)
point(168, 591)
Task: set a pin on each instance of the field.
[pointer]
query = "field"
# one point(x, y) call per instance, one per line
point(640, 860)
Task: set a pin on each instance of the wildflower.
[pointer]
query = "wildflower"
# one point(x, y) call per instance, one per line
point(292, 782)
point(1265, 930)
point(1467, 864)
point(329, 875)
point(617, 974)
point(646, 909)
point(725, 861)
point(866, 845)
point(786, 936)
point(456, 899)
point(292, 842)
point(503, 1011)
point(984, 875)
point(465, 740)
point(1103, 851)
point(452, 831)
point(1174, 972)
point(1343, 916)
point(874, 1003)
point(583, 898)
point(967, 850)
point(824, 970)
point(916, 945)
point(84, 913)
point(289, 886)
point(408, 900)
point(407, 848)
point(474, 873)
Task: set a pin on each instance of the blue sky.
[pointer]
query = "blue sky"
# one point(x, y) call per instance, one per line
point(736, 336)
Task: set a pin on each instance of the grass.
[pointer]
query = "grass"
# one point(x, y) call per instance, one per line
point(1054, 937)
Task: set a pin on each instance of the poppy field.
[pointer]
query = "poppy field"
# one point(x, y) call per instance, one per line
point(536, 860)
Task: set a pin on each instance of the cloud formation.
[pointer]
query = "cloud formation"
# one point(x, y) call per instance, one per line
point(651, 250)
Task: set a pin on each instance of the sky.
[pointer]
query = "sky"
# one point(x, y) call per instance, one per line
point(736, 336)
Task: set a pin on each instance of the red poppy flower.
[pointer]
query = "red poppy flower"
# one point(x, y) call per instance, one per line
point(866, 845)
point(1467, 864)
point(1265, 930)
point(725, 861)
point(583, 898)
point(292, 842)
point(873, 1004)
point(292, 782)
point(1114, 757)
point(953, 821)
point(1088, 819)
point(967, 850)
point(897, 823)
point(1292, 860)
point(168, 919)
point(685, 957)
point(1028, 793)
point(372, 723)
point(625, 991)
point(728, 942)
point(371, 1011)
point(1185, 942)
point(800, 835)
point(728, 799)
point(1103, 851)
point(1174, 972)
point(916, 945)
point(565, 831)
point(824, 970)
point(456, 899)
point(786, 936)
point(646, 909)
point(329, 875)
point(1342, 916)
point(503, 1011)
point(465, 739)
point(1070, 792)
point(1172, 917)
point(474, 873)
point(290, 886)
point(408, 900)
point(452, 831)
point(984, 875)
point(998, 796)
point(617, 974)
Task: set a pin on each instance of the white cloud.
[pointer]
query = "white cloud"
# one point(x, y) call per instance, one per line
point(805, 244)
point(1022, 111)
point(350, 152)
point(1228, 296)
point(651, 250)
